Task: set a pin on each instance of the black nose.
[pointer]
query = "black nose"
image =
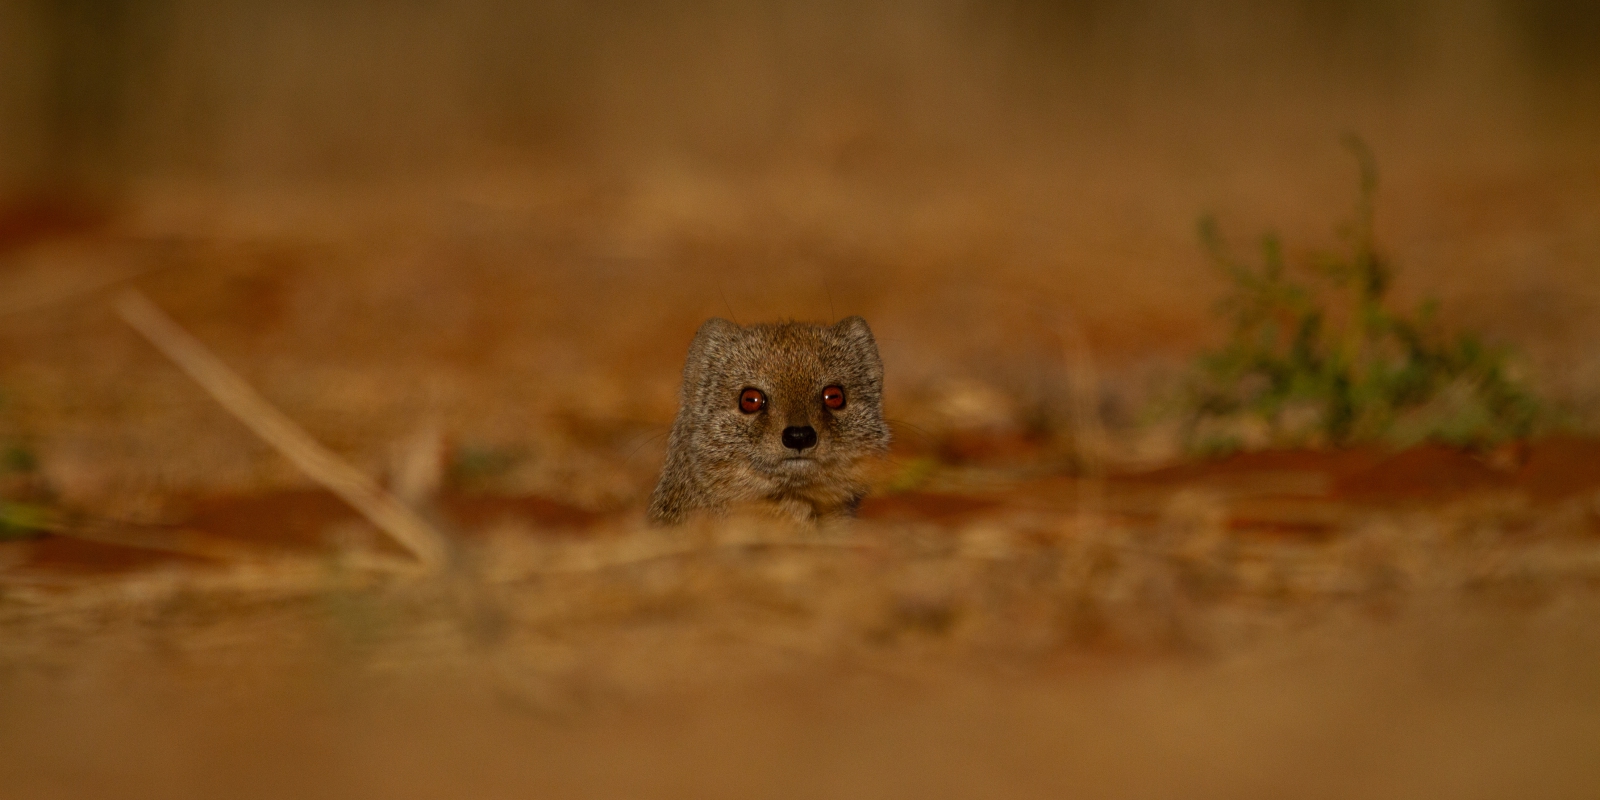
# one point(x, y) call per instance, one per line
point(799, 437)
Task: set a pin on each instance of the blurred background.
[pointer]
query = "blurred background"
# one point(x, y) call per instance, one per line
point(113, 93)
point(465, 245)
point(448, 198)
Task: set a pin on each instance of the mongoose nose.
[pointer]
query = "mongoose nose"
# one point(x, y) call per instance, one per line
point(799, 437)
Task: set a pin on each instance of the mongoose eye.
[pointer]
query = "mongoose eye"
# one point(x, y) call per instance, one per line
point(833, 397)
point(752, 400)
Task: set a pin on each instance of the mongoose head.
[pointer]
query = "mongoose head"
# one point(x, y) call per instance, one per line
point(779, 412)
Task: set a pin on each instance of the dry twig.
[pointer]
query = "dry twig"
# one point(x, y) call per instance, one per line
point(243, 402)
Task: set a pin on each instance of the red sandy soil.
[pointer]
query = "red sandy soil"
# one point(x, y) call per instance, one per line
point(1286, 492)
point(33, 218)
point(299, 521)
point(1547, 470)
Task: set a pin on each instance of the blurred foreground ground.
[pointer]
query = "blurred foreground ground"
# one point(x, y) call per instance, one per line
point(1354, 625)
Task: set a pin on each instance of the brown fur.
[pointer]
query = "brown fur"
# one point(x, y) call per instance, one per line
point(718, 456)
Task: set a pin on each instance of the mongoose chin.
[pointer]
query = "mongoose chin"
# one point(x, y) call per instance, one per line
point(779, 413)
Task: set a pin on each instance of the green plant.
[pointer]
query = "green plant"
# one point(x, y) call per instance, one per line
point(1316, 356)
point(24, 520)
point(17, 458)
point(18, 472)
point(474, 467)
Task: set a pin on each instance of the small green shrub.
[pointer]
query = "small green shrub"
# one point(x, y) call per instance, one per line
point(474, 467)
point(17, 458)
point(24, 520)
point(18, 476)
point(1315, 356)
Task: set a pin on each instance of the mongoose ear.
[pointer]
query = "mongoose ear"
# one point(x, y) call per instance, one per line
point(855, 330)
point(858, 337)
point(713, 333)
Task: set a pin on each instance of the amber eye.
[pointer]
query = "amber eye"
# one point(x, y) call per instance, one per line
point(833, 397)
point(752, 400)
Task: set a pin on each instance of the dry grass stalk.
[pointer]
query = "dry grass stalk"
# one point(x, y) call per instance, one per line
point(1088, 429)
point(288, 438)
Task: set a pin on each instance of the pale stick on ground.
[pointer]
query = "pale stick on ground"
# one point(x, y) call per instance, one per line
point(1088, 429)
point(322, 465)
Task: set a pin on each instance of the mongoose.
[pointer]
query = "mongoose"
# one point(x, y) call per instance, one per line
point(780, 413)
